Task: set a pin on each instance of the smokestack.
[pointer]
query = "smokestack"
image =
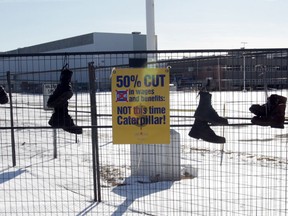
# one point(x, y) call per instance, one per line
point(150, 25)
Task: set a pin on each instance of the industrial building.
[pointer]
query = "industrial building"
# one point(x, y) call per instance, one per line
point(92, 42)
point(27, 63)
point(241, 69)
point(232, 70)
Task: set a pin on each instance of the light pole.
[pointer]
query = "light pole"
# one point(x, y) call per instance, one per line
point(219, 76)
point(244, 72)
point(244, 67)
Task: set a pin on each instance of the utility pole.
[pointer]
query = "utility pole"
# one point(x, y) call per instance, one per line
point(243, 43)
point(244, 66)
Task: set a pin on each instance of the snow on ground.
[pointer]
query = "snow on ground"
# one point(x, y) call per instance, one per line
point(252, 179)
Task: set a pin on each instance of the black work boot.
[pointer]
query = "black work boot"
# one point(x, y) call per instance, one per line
point(65, 76)
point(201, 130)
point(3, 96)
point(275, 117)
point(61, 119)
point(205, 111)
point(272, 102)
point(63, 91)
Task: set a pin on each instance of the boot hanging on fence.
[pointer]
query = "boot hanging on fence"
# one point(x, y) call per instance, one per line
point(3, 96)
point(201, 130)
point(61, 119)
point(205, 111)
point(270, 114)
point(63, 91)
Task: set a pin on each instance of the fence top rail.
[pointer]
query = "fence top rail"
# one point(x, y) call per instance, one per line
point(6, 54)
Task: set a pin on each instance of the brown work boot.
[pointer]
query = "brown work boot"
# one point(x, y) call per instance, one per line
point(274, 119)
point(272, 102)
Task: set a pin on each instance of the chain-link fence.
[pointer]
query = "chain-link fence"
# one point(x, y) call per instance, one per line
point(48, 171)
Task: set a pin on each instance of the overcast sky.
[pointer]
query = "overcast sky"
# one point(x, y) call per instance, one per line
point(179, 24)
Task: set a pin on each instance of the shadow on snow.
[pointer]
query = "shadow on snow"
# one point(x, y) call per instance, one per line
point(7, 176)
point(134, 187)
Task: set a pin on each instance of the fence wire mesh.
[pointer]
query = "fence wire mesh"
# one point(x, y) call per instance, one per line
point(48, 171)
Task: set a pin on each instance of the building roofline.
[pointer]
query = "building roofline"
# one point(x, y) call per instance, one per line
point(70, 42)
point(56, 45)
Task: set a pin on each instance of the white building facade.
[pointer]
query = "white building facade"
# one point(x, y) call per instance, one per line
point(42, 63)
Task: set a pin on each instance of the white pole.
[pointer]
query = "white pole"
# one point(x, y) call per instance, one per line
point(244, 67)
point(150, 25)
point(244, 73)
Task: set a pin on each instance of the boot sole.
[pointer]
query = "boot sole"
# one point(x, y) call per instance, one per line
point(266, 124)
point(220, 141)
point(74, 130)
point(271, 125)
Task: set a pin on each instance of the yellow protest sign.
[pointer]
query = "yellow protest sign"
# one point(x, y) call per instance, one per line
point(140, 106)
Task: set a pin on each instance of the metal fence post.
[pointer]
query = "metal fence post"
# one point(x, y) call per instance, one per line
point(54, 143)
point(76, 107)
point(95, 149)
point(11, 120)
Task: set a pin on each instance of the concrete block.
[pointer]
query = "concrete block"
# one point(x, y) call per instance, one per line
point(160, 162)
